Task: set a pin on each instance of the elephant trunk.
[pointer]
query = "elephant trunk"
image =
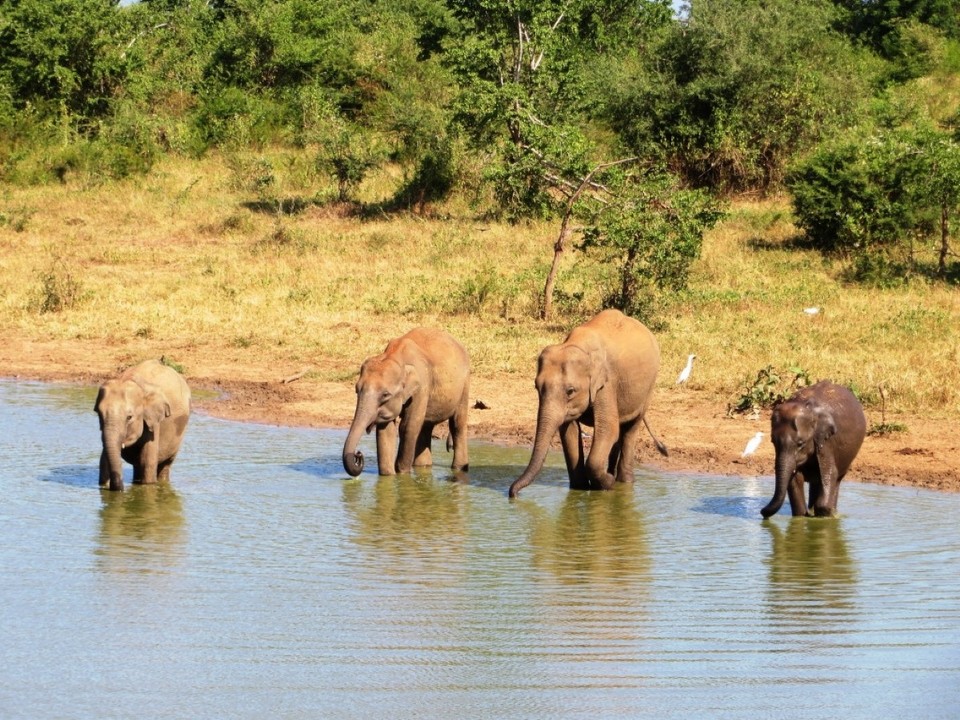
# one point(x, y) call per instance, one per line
point(786, 467)
point(112, 440)
point(362, 420)
point(547, 426)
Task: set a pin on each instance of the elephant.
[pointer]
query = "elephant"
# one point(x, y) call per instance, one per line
point(602, 376)
point(143, 415)
point(817, 433)
point(421, 378)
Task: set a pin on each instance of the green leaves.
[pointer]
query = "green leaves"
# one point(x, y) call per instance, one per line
point(869, 195)
point(651, 231)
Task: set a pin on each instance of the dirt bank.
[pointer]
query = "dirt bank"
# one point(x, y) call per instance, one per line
point(694, 425)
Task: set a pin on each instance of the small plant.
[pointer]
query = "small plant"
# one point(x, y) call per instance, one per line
point(173, 364)
point(884, 427)
point(59, 289)
point(16, 219)
point(770, 387)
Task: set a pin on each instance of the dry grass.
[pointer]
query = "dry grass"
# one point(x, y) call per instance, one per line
point(185, 258)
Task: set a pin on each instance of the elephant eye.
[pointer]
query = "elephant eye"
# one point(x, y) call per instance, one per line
point(385, 395)
point(570, 391)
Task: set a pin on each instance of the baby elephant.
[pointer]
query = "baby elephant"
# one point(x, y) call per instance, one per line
point(817, 434)
point(143, 415)
point(423, 379)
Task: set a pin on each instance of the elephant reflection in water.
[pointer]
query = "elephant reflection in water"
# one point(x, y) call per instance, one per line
point(142, 529)
point(596, 548)
point(410, 517)
point(812, 576)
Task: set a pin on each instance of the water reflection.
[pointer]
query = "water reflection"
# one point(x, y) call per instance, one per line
point(812, 574)
point(592, 538)
point(141, 529)
point(253, 587)
point(408, 517)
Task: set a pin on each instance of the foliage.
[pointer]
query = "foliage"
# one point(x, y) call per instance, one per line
point(732, 95)
point(871, 197)
point(65, 56)
point(887, 428)
point(650, 230)
point(769, 388)
point(59, 289)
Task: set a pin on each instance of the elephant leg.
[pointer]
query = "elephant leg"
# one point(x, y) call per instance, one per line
point(423, 455)
point(606, 433)
point(163, 469)
point(458, 433)
point(572, 443)
point(614, 458)
point(629, 439)
point(825, 504)
point(599, 457)
point(815, 495)
point(411, 424)
point(834, 498)
point(387, 448)
point(798, 506)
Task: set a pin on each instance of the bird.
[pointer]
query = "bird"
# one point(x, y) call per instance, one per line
point(752, 445)
point(685, 373)
point(811, 310)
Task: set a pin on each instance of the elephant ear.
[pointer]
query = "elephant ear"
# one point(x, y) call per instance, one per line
point(411, 382)
point(826, 427)
point(155, 409)
point(598, 372)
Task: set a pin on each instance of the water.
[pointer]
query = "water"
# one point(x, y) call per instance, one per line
point(264, 583)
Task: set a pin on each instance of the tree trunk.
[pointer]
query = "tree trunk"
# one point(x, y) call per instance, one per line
point(944, 240)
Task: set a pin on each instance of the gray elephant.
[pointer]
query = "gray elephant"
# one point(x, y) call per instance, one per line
point(817, 433)
point(420, 379)
point(602, 376)
point(143, 415)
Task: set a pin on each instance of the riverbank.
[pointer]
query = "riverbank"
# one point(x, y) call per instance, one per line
point(696, 428)
point(181, 263)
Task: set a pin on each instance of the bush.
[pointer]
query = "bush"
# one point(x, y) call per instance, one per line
point(651, 231)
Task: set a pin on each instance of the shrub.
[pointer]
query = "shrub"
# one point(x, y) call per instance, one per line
point(770, 387)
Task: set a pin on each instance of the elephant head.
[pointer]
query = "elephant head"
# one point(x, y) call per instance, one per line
point(385, 385)
point(568, 381)
point(126, 410)
point(799, 430)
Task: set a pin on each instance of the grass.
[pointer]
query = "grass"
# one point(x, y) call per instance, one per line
point(188, 258)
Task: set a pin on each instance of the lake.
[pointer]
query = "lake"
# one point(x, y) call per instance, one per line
point(264, 582)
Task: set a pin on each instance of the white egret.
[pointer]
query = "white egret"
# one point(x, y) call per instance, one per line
point(752, 445)
point(685, 373)
point(811, 310)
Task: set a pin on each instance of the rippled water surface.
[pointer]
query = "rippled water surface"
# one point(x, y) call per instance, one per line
point(263, 583)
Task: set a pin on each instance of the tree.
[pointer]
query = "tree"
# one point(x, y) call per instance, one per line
point(65, 56)
point(731, 95)
point(863, 197)
point(943, 185)
point(651, 230)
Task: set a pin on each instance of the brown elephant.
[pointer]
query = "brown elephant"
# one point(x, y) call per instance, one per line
point(422, 378)
point(143, 415)
point(817, 434)
point(602, 375)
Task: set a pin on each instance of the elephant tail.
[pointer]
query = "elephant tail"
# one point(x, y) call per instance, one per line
point(661, 448)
